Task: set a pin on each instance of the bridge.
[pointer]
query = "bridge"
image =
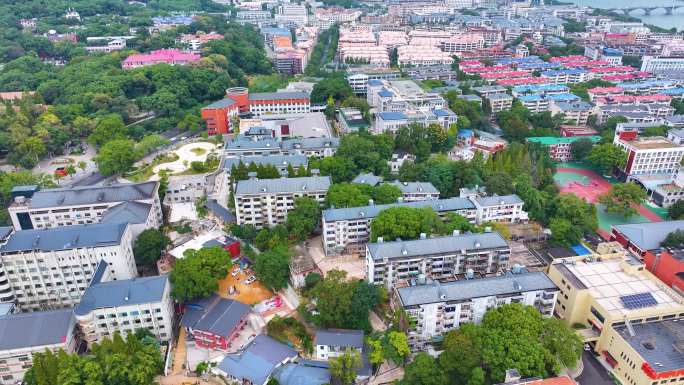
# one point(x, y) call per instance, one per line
point(669, 9)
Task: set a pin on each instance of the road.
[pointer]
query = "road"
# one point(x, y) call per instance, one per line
point(594, 373)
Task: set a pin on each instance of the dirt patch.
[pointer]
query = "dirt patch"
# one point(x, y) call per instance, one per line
point(247, 294)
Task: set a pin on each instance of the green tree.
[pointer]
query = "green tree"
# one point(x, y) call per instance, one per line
point(333, 299)
point(423, 370)
point(347, 195)
point(273, 268)
point(404, 222)
point(149, 246)
point(622, 198)
point(386, 193)
point(655, 131)
point(344, 367)
point(196, 275)
point(564, 233)
point(674, 239)
point(116, 156)
point(579, 213)
point(340, 169)
point(581, 148)
point(605, 157)
point(676, 211)
point(334, 86)
point(376, 355)
point(396, 347)
point(107, 128)
point(499, 183)
point(303, 218)
point(461, 353)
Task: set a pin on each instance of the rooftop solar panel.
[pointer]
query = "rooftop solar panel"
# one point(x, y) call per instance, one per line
point(638, 301)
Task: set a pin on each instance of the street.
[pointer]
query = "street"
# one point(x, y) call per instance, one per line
point(594, 373)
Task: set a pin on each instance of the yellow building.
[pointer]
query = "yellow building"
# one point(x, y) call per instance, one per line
point(625, 314)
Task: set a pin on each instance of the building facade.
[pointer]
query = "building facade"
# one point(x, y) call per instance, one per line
point(439, 258)
point(649, 156)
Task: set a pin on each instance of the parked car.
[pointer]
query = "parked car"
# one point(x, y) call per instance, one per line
point(235, 272)
point(251, 279)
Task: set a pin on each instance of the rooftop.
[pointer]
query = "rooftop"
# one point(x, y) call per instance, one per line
point(416, 187)
point(652, 143)
point(274, 160)
point(649, 235)
point(368, 178)
point(608, 283)
point(75, 196)
point(283, 185)
point(466, 289)
point(122, 293)
point(278, 95)
point(437, 245)
point(43, 328)
point(660, 343)
point(127, 212)
point(438, 205)
point(258, 360)
point(214, 314)
point(552, 140)
point(496, 200)
point(340, 337)
point(66, 237)
point(298, 374)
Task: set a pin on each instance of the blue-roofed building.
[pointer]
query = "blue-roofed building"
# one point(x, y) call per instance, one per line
point(545, 89)
point(84, 246)
point(390, 121)
point(367, 178)
point(331, 343)
point(564, 76)
point(257, 362)
point(125, 305)
point(676, 93)
point(300, 374)
point(576, 112)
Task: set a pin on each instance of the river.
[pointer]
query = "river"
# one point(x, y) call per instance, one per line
point(657, 17)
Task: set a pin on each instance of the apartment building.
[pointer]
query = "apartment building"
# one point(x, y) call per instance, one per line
point(41, 209)
point(52, 268)
point(218, 114)
point(215, 322)
point(416, 191)
point(331, 343)
point(438, 258)
point(124, 306)
point(535, 102)
point(662, 64)
point(576, 113)
point(500, 102)
point(565, 76)
point(624, 311)
point(402, 96)
point(24, 334)
point(559, 147)
point(349, 228)
point(438, 307)
point(463, 43)
point(648, 156)
point(393, 121)
point(265, 202)
point(242, 146)
point(499, 208)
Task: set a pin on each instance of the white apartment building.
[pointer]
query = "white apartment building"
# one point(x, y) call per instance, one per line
point(402, 96)
point(331, 343)
point(535, 102)
point(265, 202)
point(292, 14)
point(504, 208)
point(51, 268)
point(22, 335)
point(124, 306)
point(662, 64)
point(649, 156)
point(416, 191)
point(500, 102)
point(441, 307)
point(349, 228)
point(422, 55)
point(398, 160)
point(440, 258)
point(576, 113)
point(265, 103)
point(463, 43)
point(34, 209)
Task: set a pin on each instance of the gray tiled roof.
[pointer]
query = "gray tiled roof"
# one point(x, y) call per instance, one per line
point(257, 362)
point(496, 200)
point(658, 343)
point(5, 231)
point(438, 205)
point(437, 245)
point(416, 187)
point(35, 329)
point(127, 212)
point(219, 211)
point(243, 143)
point(475, 288)
point(310, 143)
point(125, 292)
point(274, 160)
point(369, 179)
point(297, 374)
point(283, 185)
point(648, 236)
point(214, 314)
point(340, 337)
point(85, 195)
point(66, 237)
point(278, 95)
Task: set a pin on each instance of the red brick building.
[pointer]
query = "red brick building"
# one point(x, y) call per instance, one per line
point(214, 322)
point(667, 265)
point(642, 237)
point(239, 101)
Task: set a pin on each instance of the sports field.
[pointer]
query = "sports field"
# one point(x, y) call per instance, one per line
point(588, 185)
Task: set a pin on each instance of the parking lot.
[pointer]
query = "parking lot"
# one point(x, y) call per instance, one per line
point(248, 294)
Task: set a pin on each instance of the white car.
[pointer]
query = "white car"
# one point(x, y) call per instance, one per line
point(251, 279)
point(235, 272)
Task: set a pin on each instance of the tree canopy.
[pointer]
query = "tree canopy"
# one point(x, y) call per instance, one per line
point(606, 157)
point(196, 275)
point(149, 246)
point(622, 199)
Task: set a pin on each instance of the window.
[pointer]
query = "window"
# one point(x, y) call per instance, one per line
point(597, 314)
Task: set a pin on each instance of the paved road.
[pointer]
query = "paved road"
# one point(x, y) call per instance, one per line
point(594, 373)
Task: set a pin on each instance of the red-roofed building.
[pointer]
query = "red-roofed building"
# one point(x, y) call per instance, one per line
point(167, 56)
point(569, 131)
point(571, 58)
point(522, 81)
point(605, 91)
point(667, 265)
